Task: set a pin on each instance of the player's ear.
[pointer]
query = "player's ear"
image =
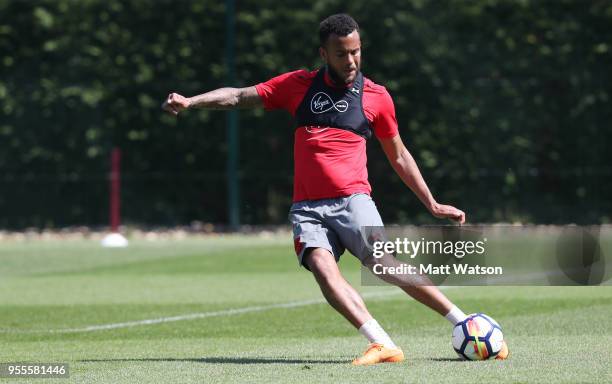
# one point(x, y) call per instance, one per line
point(323, 54)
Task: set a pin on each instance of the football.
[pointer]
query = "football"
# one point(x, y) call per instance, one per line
point(478, 337)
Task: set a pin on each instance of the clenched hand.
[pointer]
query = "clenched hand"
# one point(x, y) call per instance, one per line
point(175, 103)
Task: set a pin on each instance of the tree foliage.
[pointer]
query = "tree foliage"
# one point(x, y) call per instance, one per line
point(504, 104)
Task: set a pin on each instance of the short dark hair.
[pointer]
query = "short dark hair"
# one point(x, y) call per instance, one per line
point(339, 24)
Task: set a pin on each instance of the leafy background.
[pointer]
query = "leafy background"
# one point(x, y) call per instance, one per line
point(504, 104)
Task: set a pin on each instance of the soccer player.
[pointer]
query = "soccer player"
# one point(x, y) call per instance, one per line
point(337, 109)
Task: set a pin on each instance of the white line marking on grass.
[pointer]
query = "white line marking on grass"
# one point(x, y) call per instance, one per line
point(192, 316)
point(224, 312)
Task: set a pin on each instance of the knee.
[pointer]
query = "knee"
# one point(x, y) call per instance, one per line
point(323, 265)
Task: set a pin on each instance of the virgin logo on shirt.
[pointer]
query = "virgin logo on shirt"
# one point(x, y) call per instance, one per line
point(321, 103)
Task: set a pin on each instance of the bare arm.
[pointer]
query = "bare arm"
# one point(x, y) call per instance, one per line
point(222, 98)
point(404, 165)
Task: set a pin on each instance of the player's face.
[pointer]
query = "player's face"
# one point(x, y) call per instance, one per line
point(342, 55)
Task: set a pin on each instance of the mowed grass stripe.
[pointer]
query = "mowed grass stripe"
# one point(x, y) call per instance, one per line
point(76, 256)
point(229, 260)
point(192, 316)
point(308, 357)
point(314, 318)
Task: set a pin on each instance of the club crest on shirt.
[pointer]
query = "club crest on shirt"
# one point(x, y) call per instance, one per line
point(321, 102)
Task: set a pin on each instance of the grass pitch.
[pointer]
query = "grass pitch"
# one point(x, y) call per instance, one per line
point(238, 309)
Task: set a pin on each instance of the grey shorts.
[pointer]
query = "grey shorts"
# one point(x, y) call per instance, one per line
point(334, 224)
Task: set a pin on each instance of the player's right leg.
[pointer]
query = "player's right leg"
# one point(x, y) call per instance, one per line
point(347, 301)
point(336, 290)
point(318, 250)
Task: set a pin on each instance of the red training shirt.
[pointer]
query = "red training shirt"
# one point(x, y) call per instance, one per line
point(329, 162)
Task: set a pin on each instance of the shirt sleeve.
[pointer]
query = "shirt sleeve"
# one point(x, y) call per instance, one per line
point(385, 123)
point(275, 93)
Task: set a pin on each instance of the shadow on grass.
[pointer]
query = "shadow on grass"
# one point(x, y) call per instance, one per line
point(222, 360)
point(447, 359)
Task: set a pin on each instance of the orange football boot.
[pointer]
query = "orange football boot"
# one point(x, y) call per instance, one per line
point(378, 353)
point(504, 352)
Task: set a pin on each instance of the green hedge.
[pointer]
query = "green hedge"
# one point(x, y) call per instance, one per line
point(504, 104)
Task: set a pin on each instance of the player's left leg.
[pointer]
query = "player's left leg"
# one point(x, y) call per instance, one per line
point(419, 288)
point(359, 212)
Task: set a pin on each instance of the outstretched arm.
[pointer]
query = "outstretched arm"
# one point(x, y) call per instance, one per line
point(404, 165)
point(222, 98)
